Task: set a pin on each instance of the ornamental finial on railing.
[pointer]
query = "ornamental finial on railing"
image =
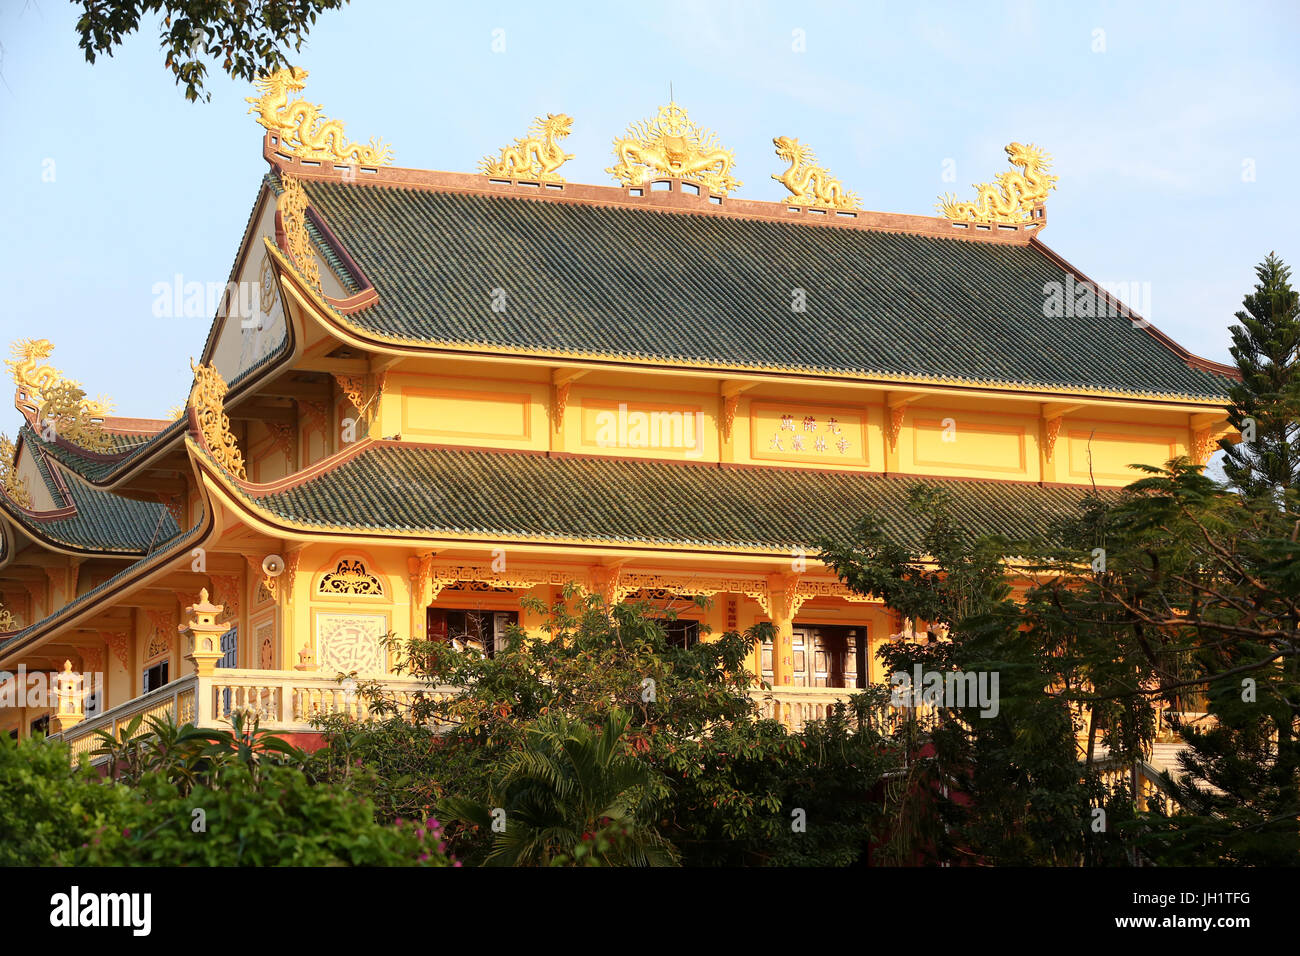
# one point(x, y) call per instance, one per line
point(810, 184)
point(208, 399)
point(302, 129)
point(671, 145)
point(1013, 197)
point(537, 156)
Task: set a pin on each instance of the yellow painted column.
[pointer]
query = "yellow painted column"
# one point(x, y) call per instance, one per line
point(781, 603)
point(783, 652)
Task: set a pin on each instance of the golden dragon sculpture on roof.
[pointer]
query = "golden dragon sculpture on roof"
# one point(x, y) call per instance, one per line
point(670, 145)
point(59, 404)
point(536, 156)
point(1013, 197)
point(810, 184)
point(302, 129)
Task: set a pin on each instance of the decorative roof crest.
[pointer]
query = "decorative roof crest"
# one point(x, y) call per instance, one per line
point(208, 398)
point(810, 184)
point(12, 484)
point(302, 129)
point(536, 156)
point(670, 145)
point(1013, 197)
point(292, 205)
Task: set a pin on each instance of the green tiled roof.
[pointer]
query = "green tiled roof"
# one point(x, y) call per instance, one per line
point(453, 492)
point(131, 447)
point(128, 447)
point(672, 287)
point(103, 521)
point(173, 543)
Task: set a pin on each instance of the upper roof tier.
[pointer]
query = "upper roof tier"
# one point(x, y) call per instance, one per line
point(594, 272)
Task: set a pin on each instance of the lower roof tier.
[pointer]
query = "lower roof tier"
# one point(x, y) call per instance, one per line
point(439, 492)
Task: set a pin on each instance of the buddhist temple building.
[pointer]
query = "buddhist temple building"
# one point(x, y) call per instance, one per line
point(426, 395)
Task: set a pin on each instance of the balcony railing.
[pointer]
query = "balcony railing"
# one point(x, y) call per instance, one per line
point(282, 701)
point(797, 706)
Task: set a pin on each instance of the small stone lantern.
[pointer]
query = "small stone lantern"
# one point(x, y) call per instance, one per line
point(203, 634)
point(71, 710)
point(306, 658)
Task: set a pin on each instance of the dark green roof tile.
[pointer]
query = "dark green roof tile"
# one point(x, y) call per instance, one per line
point(449, 491)
point(667, 287)
point(102, 521)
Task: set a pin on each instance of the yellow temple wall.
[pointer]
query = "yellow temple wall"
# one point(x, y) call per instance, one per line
point(682, 419)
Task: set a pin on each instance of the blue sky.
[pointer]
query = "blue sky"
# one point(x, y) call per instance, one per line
point(1151, 137)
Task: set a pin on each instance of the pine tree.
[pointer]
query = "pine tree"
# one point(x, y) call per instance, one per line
point(1266, 402)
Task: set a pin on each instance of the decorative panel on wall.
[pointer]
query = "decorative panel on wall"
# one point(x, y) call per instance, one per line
point(808, 434)
point(351, 642)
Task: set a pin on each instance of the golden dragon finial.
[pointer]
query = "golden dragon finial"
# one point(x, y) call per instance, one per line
point(1015, 194)
point(59, 404)
point(302, 129)
point(810, 184)
point(670, 145)
point(537, 156)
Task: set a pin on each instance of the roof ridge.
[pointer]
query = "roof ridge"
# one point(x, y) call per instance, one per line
point(682, 196)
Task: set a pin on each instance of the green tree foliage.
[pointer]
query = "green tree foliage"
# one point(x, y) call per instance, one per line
point(47, 806)
point(571, 792)
point(184, 797)
point(1006, 787)
point(1266, 402)
point(607, 743)
point(246, 37)
point(1170, 596)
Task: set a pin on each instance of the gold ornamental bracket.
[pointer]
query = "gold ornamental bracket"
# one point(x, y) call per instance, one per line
point(672, 146)
point(208, 399)
point(1012, 198)
point(302, 129)
point(536, 156)
point(810, 184)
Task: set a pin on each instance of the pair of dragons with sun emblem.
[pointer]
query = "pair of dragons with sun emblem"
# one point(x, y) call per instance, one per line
point(667, 146)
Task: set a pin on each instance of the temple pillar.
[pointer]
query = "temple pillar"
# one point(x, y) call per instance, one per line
point(782, 652)
point(782, 604)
